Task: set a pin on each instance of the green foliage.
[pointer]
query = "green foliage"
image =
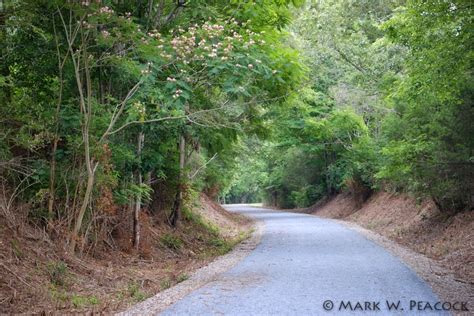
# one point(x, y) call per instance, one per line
point(388, 105)
point(58, 272)
point(221, 245)
point(197, 219)
point(81, 81)
point(245, 186)
point(182, 277)
point(17, 251)
point(171, 242)
point(79, 301)
point(165, 283)
point(132, 191)
point(433, 155)
point(276, 100)
point(58, 294)
point(135, 292)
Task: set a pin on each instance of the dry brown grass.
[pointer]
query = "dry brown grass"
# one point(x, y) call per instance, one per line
point(38, 276)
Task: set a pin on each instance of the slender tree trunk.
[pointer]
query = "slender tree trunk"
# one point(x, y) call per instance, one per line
point(138, 201)
point(85, 102)
point(52, 173)
point(82, 211)
point(52, 176)
point(91, 167)
point(176, 214)
point(328, 186)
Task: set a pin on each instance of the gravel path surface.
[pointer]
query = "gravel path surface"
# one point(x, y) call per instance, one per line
point(305, 264)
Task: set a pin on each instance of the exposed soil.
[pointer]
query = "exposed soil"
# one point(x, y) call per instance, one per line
point(446, 240)
point(442, 280)
point(209, 273)
point(38, 276)
point(230, 224)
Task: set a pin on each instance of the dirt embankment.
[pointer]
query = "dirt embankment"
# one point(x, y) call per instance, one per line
point(418, 225)
point(37, 276)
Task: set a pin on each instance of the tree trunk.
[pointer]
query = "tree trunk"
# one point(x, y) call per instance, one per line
point(328, 186)
point(91, 166)
point(52, 176)
point(82, 211)
point(52, 173)
point(138, 201)
point(175, 215)
point(85, 102)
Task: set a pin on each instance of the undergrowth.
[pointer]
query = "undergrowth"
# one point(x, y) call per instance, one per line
point(217, 245)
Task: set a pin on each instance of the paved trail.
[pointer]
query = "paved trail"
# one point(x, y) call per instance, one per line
point(303, 261)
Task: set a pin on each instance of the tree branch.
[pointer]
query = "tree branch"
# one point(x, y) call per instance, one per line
point(204, 165)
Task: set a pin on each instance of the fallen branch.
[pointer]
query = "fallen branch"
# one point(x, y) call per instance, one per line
point(16, 275)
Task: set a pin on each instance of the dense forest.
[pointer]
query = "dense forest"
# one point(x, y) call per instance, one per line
point(112, 108)
point(385, 104)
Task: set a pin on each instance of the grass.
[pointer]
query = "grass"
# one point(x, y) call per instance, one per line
point(172, 242)
point(371, 225)
point(17, 249)
point(182, 277)
point(58, 272)
point(67, 285)
point(79, 301)
point(218, 244)
point(221, 245)
point(58, 294)
point(165, 283)
point(134, 291)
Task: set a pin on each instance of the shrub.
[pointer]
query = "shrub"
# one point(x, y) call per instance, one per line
point(79, 301)
point(182, 277)
point(171, 242)
point(134, 291)
point(58, 272)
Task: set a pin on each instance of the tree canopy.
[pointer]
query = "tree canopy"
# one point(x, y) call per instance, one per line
point(387, 104)
point(123, 107)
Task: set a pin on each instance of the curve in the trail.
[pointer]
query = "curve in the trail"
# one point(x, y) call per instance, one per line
point(305, 265)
